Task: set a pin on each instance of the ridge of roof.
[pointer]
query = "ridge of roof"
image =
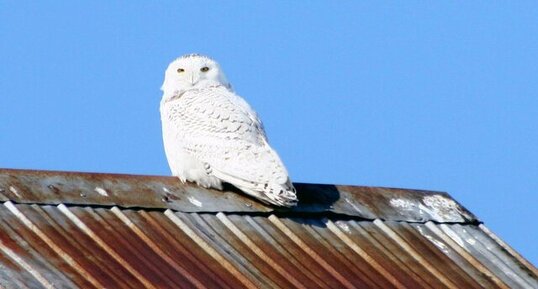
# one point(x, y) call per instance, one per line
point(87, 230)
point(162, 193)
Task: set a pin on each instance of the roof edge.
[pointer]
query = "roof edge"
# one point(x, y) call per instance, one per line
point(159, 192)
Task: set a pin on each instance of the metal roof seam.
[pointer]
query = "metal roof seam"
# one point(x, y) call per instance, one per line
point(456, 268)
point(66, 257)
point(417, 256)
point(281, 248)
point(216, 235)
point(388, 254)
point(165, 229)
point(479, 266)
point(315, 235)
point(53, 188)
point(131, 248)
point(7, 226)
point(297, 240)
point(331, 226)
point(329, 244)
point(483, 245)
point(438, 252)
point(75, 242)
point(42, 280)
point(509, 249)
point(126, 243)
point(210, 250)
point(258, 251)
point(104, 245)
point(156, 248)
point(81, 230)
point(278, 213)
point(401, 257)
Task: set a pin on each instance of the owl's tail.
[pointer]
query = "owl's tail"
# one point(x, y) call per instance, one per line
point(283, 195)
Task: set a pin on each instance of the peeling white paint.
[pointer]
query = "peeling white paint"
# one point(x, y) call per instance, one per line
point(353, 205)
point(434, 241)
point(343, 226)
point(195, 201)
point(455, 237)
point(166, 190)
point(423, 209)
point(101, 191)
point(438, 244)
point(471, 241)
point(441, 208)
point(402, 204)
point(14, 191)
point(439, 201)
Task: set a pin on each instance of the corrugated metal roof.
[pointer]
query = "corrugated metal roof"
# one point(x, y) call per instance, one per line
point(128, 191)
point(75, 230)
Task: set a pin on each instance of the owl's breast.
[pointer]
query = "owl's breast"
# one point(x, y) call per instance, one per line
point(213, 114)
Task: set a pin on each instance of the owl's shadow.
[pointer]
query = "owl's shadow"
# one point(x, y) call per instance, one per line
point(315, 203)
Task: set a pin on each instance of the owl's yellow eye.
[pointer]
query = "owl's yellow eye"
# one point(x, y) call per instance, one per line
point(180, 70)
point(204, 69)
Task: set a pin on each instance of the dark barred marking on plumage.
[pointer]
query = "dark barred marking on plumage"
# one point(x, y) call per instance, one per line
point(195, 55)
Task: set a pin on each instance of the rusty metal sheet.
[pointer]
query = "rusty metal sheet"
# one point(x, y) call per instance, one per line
point(46, 246)
point(128, 191)
point(80, 230)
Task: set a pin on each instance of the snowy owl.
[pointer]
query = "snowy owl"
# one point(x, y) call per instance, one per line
point(211, 135)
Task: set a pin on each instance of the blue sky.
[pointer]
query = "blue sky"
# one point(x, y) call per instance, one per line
point(438, 96)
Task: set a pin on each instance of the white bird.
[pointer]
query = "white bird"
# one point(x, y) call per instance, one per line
point(211, 135)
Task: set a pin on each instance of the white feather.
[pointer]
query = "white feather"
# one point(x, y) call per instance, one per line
point(211, 135)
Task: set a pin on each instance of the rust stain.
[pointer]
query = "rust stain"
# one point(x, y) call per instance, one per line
point(48, 187)
point(80, 230)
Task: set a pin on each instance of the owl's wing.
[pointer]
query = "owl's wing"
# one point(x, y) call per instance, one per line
point(220, 129)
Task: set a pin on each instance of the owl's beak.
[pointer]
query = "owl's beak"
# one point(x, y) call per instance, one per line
point(194, 78)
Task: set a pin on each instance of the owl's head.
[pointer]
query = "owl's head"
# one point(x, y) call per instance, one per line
point(192, 71)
